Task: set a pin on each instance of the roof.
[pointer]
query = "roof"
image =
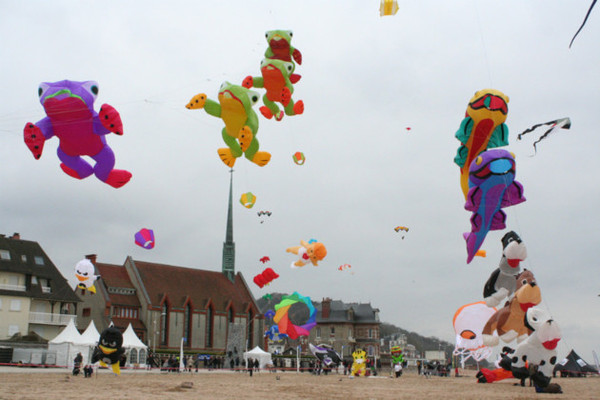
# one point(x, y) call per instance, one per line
point(116, 276)
point(179, 284)
point(91, 335)
point(575, 364)
point(68, 335)
point(23, 257)
point(130, 339)
point(121, 323)
point(340, 312)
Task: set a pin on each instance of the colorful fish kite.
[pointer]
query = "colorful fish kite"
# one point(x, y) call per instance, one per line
point(561, 123)
point(482, 128)
point(264, 259)
point(299, 158)
point(388, 7)
point(248, 200)
point(81, 131)
point(145, 238)
point(265, 277)
point(583, 23)
point(492, 187)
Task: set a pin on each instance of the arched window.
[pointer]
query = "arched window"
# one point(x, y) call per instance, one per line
point(133, 356)
point(164, 325)
point(250, 329)
point(142, 356)
point(209, 327)
point(187, 324)
point(230, 315)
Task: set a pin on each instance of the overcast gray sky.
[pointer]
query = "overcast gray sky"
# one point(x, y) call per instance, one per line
point(365, 79)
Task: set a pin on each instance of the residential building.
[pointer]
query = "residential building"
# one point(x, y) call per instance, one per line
point(34, 296)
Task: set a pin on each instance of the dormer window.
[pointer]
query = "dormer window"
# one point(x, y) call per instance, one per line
point(4, 255)
point(23, 258)
point(38, 260)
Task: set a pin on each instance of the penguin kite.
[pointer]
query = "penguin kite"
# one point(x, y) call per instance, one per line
point(109, 349)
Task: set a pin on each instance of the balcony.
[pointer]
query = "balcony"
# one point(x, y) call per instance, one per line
point(50, 319)
point(16, 288)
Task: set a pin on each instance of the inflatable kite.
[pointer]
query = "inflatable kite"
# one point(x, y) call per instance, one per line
point(562, 123)
point(84, 272)
point(277, 79)
point(248, 200)
point(325, 354)
point(269, 313)
point(280, 46)
point(492, 187)
point(482, 128)
point(273, 334)
point(502, 282)
point(241, 122)
point(264, 259)
point(468, 323)
point(583, 23)
point(397, 356)
point(359, 363)
point(508, 322)
point(81, 131)
point(388, 7)
point(344, 267)
point(283, 321)
point(308, 252)
point(299, 158)
point(265, 277)
point(538, 350)
point(145, 238)
point(109, 349)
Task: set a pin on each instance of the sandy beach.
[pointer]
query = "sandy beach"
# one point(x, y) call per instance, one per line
point(29, 384)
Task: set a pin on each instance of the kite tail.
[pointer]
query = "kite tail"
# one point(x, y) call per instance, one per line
point(583, 23)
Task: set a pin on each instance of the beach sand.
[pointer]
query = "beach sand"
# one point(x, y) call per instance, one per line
point(21, 384)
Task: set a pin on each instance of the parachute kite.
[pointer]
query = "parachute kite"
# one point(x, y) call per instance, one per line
point(492, 187)
point(248, 200)
point(468, 323)
point(482, 128)
point(263, 214)
point(562, 123)
point(145, 238)
point(264, 259)
point(299, 158)
point(265, 277)
point(583, 23)
point(325, 354)
point(401, 228)
point(81, 131)
point(388, 7)
point(84, 272)
point(241, 122)
point(283, 321)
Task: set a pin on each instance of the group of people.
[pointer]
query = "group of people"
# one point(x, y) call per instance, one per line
point(88, 370)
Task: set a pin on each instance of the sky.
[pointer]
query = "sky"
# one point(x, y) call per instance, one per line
point(365, 80)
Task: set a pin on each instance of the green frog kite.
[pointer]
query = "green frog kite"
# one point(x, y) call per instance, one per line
point(241, 122)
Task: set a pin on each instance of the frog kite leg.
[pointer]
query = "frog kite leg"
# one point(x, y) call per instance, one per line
point(241, 122)
point(280, 46)
point(277, 78)
point(81, 131)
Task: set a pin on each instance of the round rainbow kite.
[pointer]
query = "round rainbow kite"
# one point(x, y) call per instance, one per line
point(282, 319)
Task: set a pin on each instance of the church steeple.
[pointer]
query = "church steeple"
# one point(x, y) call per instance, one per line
point(228, 263)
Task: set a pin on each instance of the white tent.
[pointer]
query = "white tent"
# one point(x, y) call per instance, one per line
point(66, 345)
point(263, 357)
point(89, 338)
point(136, 348)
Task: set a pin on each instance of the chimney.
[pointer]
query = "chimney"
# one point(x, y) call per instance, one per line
point(325, 307)
point(16, 236)
point(92, 258)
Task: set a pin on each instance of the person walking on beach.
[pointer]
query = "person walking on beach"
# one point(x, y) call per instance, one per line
point(250, 366)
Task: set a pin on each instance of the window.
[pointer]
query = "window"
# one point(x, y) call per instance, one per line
point(4, 255)
point(164, 316)
point(370, 333)
point(0, 304)
point(333, 330)
point(187, 324)
point(15, 305)
point(349, 333)
point(23, 258)
point(209, 327)
point(250, 329)
point(86, 312)
point(230, 315)
point(39, 260)
point(12, 329)
point(34, 280)
point(318, 331)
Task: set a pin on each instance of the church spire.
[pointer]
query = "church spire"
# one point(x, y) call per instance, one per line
point(228, 263)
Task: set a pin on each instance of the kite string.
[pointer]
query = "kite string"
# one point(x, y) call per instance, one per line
point(485, 55)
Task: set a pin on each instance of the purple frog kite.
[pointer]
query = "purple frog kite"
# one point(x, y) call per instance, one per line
point(69, 107)
point(492, 186)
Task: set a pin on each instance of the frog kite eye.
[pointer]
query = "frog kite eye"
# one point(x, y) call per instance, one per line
point(248, 200)
point(81, 131)
point(388, 7)
point(145, 238)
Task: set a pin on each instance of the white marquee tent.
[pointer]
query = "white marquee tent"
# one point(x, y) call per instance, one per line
point(263, 357)
point(136, 348)
point(66, 345)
